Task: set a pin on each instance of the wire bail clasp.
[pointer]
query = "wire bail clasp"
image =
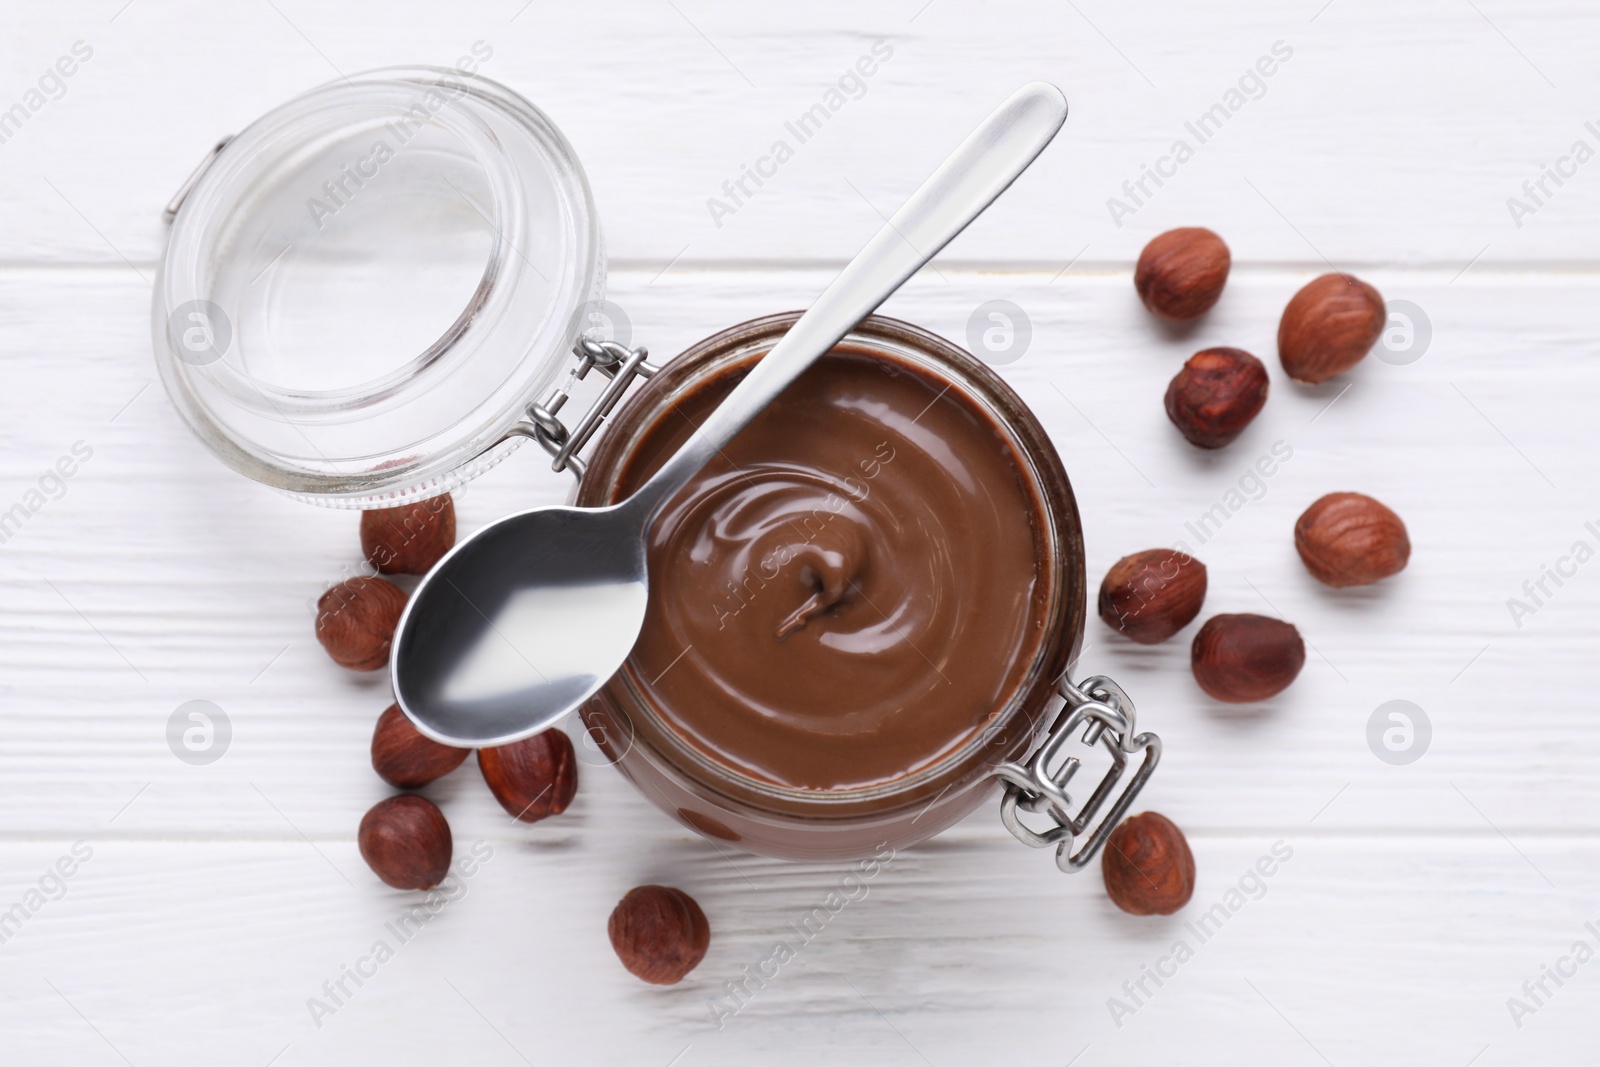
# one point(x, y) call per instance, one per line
point(617, 362)
point(1106, 713)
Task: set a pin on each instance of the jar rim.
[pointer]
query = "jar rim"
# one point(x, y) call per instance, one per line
point(1032, 702)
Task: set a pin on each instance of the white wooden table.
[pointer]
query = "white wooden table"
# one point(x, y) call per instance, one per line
point(216, 901)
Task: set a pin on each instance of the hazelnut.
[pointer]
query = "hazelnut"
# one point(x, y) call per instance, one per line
point(1147, 865)
point(356, 621)
point(533, 778)
point(1351, 539)
point(404, 757)
point(1151, 595)
point(406, 842)
point(411, 538)
point(660, 934)
point(1181, 273)
point(1240, 658)
point(1329, 325)
point(1216, 394)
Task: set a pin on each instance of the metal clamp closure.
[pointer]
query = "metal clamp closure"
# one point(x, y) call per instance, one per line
point(622, 365)
point(1040, 786)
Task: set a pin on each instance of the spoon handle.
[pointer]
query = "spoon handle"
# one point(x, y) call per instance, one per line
point(966, 183)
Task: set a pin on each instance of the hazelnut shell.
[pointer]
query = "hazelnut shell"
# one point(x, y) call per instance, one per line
point(659, 933)
point(1181, 273)
point(356, 621)
point(1216, 395)
point(404, 757)
point(1151, 595)
point(1348, 539)
point(1329, 326)
point(1241, 658)
point(1147, 866)
point(411, 538)
point(406, 842)
point(533, 778)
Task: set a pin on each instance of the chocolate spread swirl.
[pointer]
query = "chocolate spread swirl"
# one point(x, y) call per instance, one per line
point(847, 594)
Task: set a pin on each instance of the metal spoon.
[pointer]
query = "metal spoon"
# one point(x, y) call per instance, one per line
point(529, 617)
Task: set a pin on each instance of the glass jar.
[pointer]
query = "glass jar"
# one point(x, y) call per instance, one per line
point(722, 802)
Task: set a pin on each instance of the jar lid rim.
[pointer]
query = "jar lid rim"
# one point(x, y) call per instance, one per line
point(337, 433)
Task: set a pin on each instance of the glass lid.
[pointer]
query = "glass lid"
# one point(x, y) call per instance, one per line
point(367, 287)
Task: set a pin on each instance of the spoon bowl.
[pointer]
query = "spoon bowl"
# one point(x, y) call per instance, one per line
point(522, 622)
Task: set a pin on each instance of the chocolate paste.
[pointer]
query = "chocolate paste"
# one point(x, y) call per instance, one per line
point(848, 593)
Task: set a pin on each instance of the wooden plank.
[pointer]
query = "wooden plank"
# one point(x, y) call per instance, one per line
point(1374, 140)
point(1388, 950)
point(160, 577)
